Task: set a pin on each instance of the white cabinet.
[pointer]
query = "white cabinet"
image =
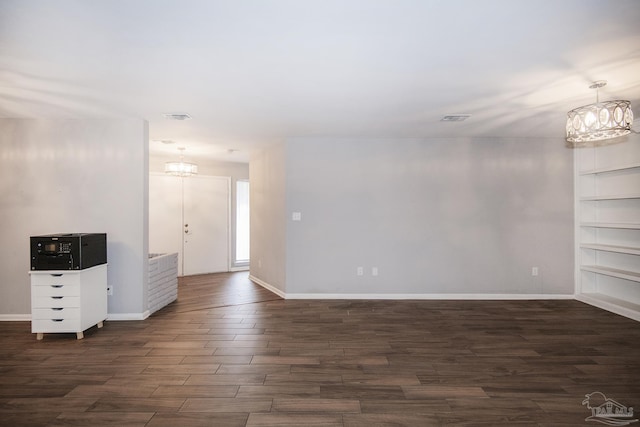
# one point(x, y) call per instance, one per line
point(68, 301)
point(608, 227)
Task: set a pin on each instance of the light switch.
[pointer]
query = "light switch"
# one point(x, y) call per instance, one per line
point(296, 216)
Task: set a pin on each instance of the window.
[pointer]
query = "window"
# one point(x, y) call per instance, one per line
point(242, 222)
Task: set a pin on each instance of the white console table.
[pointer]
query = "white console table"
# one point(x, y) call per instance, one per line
point(69, 301)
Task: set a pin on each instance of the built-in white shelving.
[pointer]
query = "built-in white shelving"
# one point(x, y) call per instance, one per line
point(611, 197)
point(607, 227)
point(626, 225)
point(613, 272)
point(611, 248)
point(610, 169)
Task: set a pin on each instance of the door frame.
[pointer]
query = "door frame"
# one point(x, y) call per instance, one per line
point(229, 211)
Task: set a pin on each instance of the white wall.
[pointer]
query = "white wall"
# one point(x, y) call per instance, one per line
point(435, 216)
point(66, 176)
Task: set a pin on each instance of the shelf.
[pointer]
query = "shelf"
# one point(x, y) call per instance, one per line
point(614, 305)
point(628, 226)
point(613, 197)
point(611, 248)
point(607, 208)
point(610, 169)
point(613, 272)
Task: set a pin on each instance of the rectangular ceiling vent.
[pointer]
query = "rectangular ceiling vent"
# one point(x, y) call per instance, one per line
point(455, 118)
point(177, 116)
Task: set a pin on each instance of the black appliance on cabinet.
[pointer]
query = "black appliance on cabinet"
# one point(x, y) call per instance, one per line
point(75, 251)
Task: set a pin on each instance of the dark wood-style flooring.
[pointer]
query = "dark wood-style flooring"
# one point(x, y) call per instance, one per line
point(229, 353)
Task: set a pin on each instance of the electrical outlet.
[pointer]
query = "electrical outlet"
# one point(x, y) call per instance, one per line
point(374, 271)
point(109, 290)
point(360, 271)
point(534, 271)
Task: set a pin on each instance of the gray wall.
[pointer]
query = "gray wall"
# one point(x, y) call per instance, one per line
point(268, 216)
point(446, 216)
point(74, 176)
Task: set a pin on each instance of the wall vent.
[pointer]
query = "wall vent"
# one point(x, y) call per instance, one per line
point(455, 118)
point(177, 116)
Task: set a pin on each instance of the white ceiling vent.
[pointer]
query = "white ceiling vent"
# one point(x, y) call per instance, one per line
point(177, 116)
point(455, 118)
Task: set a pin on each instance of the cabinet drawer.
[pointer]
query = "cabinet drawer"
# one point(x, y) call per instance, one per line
point(55, 301)
point(55, 291)
point(55, 279)
point(57, 325)
point(65, 313)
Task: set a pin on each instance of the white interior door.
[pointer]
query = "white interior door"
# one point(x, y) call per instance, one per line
point(206, 224)
point(201, 202)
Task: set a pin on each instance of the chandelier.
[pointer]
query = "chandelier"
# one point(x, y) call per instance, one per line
point(181, 168)
point(599, 121)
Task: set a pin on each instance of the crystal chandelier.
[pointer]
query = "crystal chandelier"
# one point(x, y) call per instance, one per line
point(599, 121)
point(181, 168)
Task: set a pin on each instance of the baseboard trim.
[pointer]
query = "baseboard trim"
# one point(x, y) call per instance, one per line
point(128, 316)
point(285, 295)
point(610, 307)
point(268, 286)
point(110, 316)
point(431, 296)
point(15, 317)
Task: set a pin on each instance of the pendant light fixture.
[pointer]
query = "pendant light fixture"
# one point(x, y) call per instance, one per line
point(181, 168)
point(599, 121)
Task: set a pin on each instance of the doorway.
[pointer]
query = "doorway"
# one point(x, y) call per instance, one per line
point(191, 216)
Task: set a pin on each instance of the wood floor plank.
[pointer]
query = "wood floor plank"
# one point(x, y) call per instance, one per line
point(149, 404)
point(120, 419)
point(392, 419)
point(224, 404)
point(226, 379)
point(443, 392)
point(195, 419)
point(297, 420)
point(183, 368)
point(316, 405)
point(196, 391)
point(45, 404)
point(279, 391)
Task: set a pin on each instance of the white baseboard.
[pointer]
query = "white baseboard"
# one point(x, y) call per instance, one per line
point(128, 316)
point(15, 317)
point(268, 286)
point(430, 296)
point(110, 316)
point(410, 296)
point(610, 306)
point(240, 268)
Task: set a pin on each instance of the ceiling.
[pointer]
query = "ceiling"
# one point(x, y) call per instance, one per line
point(255, 72)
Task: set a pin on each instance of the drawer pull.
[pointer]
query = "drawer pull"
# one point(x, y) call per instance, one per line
point(57, 308)
point(57, 320)
point(57, 274)
point(57, 286)
point(57, 297)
